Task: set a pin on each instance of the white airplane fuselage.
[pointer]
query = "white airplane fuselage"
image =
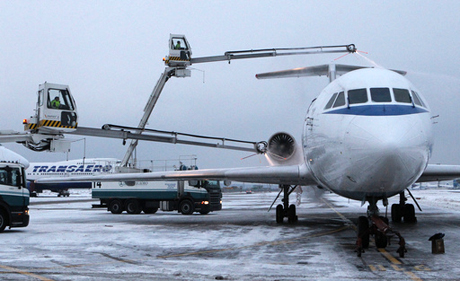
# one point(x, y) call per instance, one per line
point(372, 141)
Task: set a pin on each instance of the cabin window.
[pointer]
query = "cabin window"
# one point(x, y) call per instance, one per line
point(178, 43)
point(331, 101)
point(59, 99)
point(340, 100)
point(380, 95)
point(402, 95)
point(417, 99)
point(357, 96)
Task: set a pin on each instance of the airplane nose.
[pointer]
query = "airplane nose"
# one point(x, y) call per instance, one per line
point(389, 155)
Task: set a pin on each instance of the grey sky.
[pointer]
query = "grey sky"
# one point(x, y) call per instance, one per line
point(110, 53)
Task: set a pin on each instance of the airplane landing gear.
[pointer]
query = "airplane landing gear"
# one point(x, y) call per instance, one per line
point(378, 226)
point(403, 210)
point(285, 210)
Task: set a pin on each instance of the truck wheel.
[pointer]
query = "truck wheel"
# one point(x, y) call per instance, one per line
point(133, 207)
point(186, 207)
point(2, 221)
point(116, 207)
point(150, 210)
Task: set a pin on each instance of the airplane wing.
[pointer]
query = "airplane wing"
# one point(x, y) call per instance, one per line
point(434, 172)
point(292, 175)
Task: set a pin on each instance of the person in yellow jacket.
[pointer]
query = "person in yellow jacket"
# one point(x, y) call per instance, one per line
point(55, 103)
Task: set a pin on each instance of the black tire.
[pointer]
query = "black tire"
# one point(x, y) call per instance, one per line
point(292, 216)
point(133, 207)
point(409, 213)
point(381, 240)
point(116, 207)
point(279, 213)
point(363, 231)
point(150, 210)
point(186, 207)
point(3, 220)
point(396, 213)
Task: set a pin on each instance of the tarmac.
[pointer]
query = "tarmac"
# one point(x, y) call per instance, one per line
point(68, 240)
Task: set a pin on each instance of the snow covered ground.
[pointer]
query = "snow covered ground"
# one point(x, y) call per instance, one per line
point(67, 240)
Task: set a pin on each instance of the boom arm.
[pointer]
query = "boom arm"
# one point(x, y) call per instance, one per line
point(148, 110)
point(261, 53)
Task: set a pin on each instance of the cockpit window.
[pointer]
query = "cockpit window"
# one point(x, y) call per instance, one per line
point(340, 100)
point(417, 99)
point(331, 101)
point(357, 96)
point(380, 95)
point(402, 95)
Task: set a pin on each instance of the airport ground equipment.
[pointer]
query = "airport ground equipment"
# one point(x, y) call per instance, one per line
point(180, 58)
point(14, 196)
point(44, 131)
point(55, 114)
point(148, 197)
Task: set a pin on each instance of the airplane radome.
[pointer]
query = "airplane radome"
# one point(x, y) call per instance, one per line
point(367, 136)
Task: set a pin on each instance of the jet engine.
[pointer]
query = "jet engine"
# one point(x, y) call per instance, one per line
point(283, 149)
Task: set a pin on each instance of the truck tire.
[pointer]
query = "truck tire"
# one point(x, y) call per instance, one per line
point(150, 210)
point(116, 207)
point(3, 220)
point(186, 207)
point(133, 206)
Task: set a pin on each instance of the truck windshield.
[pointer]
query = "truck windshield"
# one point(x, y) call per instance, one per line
point(10, 176)
point(213, 184)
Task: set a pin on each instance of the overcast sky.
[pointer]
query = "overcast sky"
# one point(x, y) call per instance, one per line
point(110, 54)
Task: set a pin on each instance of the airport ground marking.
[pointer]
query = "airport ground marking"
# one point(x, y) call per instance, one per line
point(19, 271)
point(388, 256)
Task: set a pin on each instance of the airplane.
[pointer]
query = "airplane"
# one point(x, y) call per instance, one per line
point(79, 167)
point(367, 136)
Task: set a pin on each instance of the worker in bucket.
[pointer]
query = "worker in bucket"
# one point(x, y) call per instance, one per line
point(55, 103)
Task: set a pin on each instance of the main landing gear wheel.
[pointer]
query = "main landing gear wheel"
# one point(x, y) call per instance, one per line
point(291, 214)
point(286, 210)
point(403, 210)
point(279, 213)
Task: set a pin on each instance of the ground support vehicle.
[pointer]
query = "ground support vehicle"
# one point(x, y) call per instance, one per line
point(14, 196)
point(148, 197)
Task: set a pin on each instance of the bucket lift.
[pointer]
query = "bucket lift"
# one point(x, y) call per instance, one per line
point(180, 51)
point(55, 114)
point(180, 58)
point(56, 110)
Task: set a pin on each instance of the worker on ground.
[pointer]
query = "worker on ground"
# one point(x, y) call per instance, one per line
point(55, 103)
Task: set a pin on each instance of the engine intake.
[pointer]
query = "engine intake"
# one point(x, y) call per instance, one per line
point(282, 148)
